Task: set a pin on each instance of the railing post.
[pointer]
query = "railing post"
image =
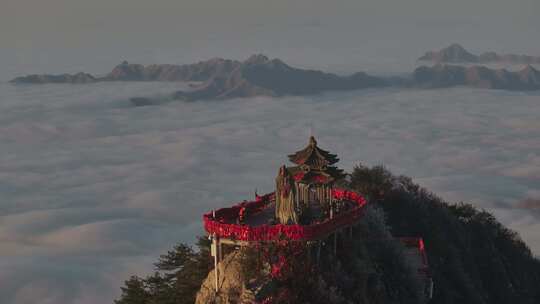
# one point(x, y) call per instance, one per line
point(215, 254)
point(220, 250)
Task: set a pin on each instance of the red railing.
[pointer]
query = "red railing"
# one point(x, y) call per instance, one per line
point(418, 243)
point(219, 222)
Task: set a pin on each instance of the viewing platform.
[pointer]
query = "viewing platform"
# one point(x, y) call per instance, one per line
point(307, 206)
point(252, 221)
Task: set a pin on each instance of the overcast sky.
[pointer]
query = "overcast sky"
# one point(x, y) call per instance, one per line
point(69, 35)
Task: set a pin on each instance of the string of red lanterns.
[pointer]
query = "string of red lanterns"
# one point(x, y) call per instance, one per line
point(224, 223)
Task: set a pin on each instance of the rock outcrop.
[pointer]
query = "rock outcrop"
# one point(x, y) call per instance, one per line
point(456, 53)
point(232, 285)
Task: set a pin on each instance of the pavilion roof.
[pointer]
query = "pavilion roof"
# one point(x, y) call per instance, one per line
point(313, 156)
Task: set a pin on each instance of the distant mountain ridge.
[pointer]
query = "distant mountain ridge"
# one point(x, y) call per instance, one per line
point(200, 71)
point(455, 53)
point(60, 78)
point(443, 76)
point(223, 78)
point(259, 75)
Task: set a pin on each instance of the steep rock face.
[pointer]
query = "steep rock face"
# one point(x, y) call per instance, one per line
point(440, 76)
point(456, 53)
point(231, 284)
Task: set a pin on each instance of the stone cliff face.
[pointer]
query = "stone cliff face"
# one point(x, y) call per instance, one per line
point(232, 284)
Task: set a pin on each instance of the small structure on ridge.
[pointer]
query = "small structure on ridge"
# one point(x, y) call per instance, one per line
point(304, 191)
point(307, 206)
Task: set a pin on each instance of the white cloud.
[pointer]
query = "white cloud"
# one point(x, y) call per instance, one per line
point(92, 190)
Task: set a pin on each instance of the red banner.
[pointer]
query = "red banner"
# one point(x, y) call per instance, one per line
point(219, 222)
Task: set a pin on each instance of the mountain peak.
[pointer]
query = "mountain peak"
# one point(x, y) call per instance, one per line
point(454, 53)
point(456, 47)
point(257, 59)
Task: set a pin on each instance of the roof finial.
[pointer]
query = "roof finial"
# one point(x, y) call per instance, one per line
point(312, 141)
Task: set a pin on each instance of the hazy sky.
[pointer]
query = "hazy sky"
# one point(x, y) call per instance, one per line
point(70, 35)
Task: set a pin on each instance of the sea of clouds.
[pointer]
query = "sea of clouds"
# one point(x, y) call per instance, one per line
point(92, 190)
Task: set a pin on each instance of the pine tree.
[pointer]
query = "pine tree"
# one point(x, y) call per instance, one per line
point(134, 292)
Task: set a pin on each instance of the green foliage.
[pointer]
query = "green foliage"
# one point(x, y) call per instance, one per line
point(401, 284)
point(474, 259)
point(372, 182)
point(134, 292)
point(252, 264)
point(178, 277)
point(284, 268)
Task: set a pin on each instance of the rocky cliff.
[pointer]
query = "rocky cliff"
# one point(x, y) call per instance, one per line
point(232, 283)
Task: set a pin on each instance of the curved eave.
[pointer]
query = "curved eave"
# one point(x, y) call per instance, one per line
point(313, 152)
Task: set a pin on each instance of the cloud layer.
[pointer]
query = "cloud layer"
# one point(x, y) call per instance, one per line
point(93, 190)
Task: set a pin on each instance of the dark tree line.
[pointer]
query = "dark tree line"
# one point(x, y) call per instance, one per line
point(474, 258)
point(179, 275)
